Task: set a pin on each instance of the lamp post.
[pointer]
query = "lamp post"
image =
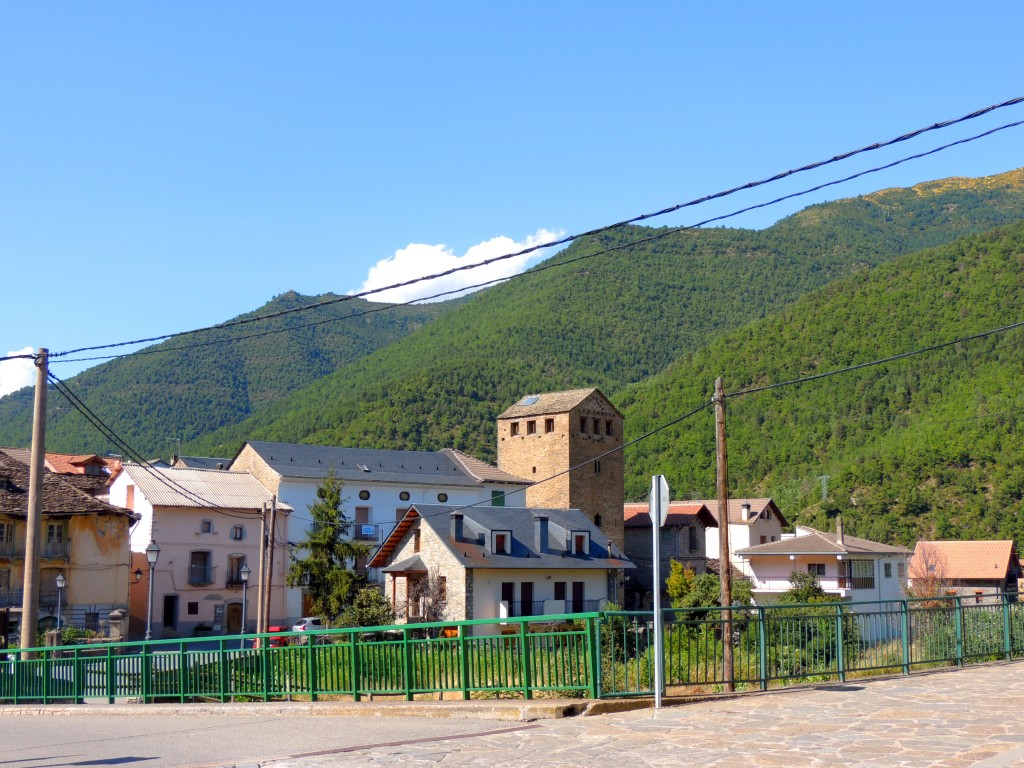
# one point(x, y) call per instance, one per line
point(138, 575)
point(244, 573)
point(152, 554)
point(60, 590)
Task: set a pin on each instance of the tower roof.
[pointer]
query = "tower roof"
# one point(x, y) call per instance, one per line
point(552, 402)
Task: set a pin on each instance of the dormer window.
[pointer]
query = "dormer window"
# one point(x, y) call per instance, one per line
point(579, 543)
point(501, 542)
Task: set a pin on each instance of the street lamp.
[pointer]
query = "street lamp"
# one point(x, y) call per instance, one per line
point(152, 554)
point(138, 575)
point(244, 573)
point(60, 589)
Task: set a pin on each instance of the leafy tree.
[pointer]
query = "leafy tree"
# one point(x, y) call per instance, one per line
point(805, 588)
point(369, 608)
point(322, 567)
point(687, 590)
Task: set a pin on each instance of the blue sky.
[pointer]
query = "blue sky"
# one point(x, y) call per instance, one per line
point(169, 166)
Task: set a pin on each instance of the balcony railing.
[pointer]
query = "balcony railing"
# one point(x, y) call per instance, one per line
point(516, 608)
point(11, 598)
point(48, 599)
point(11, 549)
point(200, 575)
point(365, 532)
point(56, 550)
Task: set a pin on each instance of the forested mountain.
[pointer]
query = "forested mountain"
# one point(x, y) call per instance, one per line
point(160, 396)
point(928, 446)
point(611, 320)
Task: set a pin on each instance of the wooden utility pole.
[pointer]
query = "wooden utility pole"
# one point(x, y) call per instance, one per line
point(261, 608)
point(724, 560)
point(34, 521)
point(270, 558)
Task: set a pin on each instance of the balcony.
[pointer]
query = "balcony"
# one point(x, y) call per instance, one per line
point(56, 550)
point(365, 532)
point(48, 599)
point(515, 608)
point(11, 598)
point(10, 549)
point(200, 575)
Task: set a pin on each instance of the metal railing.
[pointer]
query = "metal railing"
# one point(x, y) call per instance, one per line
point(11, 598)
point(56, 550)
point(200, 575)
point(597, 655)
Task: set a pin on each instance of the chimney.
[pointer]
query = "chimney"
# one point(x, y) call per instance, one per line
point(745, 511)
point(540, 533)
point(456, 526)
point(839, 530)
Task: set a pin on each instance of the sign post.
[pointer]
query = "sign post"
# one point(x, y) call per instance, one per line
point(659, 514)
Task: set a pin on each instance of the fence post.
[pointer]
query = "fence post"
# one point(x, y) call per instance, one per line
point(958, 615)
point(597, 661)
point(265, 667)
point(111, 675)
point(525, 651)
point(354, 666)
point(311, 666)
point(905, 632)
point(1007, 641)
point(840, 656)
point(463, 663)
point(47, 671)
point(222, 670)
point(762, 647)
point(147, 668)
point(591, 651)
point(406, 665)
point(183, 670)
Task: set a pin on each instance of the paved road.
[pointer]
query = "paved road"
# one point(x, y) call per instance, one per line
point(971, 717)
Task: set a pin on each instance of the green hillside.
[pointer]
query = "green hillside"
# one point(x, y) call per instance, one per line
point(612, 320)
point(925, 447)
point(151, 399)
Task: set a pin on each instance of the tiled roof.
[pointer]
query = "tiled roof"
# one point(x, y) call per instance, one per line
point(482, 471)
point(355, 465)
point(810, 541)
point(200, 488)
point(758, 507)
point(201, 462)
point(549, 402)
point(680, 514)
point(963, 560)
point(59, 497)
point(70, 463)
point(473, 549)
point(413, 564)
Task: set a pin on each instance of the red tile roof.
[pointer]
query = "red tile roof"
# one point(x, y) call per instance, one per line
point(963, 560)
point(680, 514)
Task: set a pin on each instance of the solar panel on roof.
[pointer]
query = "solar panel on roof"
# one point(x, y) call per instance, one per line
point(529, 400)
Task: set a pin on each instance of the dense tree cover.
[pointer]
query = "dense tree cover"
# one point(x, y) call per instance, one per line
point(688, 590)
point(608, 321)
point(928, 446)
point(159, 397)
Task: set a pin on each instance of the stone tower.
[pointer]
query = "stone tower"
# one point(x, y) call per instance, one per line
point(544, 435)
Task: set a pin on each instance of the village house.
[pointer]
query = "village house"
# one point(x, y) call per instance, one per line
point(206, 524)
point(84, 542)
point(498, 563)
point(682, 538)
point(751, 522)
point(979, 570)
point(379, 487)
point(846, 566)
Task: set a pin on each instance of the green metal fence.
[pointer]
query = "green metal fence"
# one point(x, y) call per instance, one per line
point(595, 655)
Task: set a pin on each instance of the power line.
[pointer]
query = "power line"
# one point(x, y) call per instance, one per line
point(535, 270)
point(570, 238)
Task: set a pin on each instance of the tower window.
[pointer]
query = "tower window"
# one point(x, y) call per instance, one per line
point(549, 425)
point(597, 426)
point(583, 425)
point(608, 427)
point(597, 467)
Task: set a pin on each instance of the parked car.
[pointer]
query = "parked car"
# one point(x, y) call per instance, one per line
point(277, 641)
point(307, 624)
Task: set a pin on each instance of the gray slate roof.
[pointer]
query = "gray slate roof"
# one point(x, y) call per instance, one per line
point(201, 462)
point(473, 549)
point(354, 465)
point(815, 542)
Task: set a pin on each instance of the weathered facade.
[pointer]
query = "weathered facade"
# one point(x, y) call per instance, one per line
point(83, 539)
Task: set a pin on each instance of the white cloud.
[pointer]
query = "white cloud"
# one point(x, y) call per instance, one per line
point(15, 374)
point(418, 259)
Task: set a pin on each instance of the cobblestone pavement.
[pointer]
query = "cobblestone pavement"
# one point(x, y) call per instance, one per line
point(969, 717)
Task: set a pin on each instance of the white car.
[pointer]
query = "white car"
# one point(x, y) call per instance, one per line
point(307, 623)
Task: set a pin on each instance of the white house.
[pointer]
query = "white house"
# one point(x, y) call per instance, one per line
point(852, 568)
point(500, 563)
point(379, 486)
point(207, 526)
point(751, 522)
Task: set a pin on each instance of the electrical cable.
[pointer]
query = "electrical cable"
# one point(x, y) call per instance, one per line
point(551, 265)
point(570, 238)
